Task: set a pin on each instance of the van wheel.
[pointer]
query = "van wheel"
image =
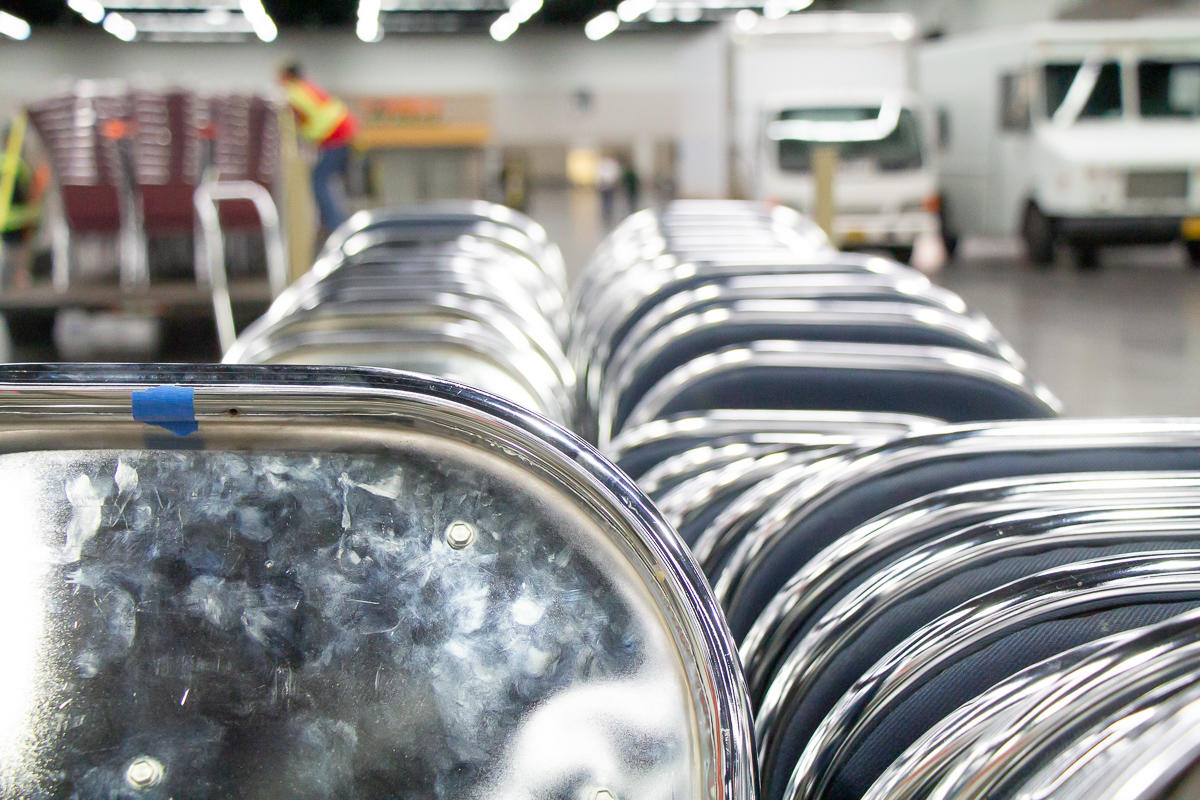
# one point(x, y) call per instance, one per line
point(1193, 254)
point(901, 254)
point(1086, 256)
point(1037, 230)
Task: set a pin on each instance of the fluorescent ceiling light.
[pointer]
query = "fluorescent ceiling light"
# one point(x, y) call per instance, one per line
point(13, 27)
point(504, 26)
point(629, 10)
point(523, 10)
point(120, 27)
point(260, 20)
point(368, 28)
point(601, 25)
point(745, 19)
point(91, 10)
point(688, 12)
point(660, 13)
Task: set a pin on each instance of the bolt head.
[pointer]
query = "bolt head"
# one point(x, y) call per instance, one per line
point(144, 772)
point(459, 534)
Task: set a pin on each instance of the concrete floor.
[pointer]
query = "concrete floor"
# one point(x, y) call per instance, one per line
point(1123, 340)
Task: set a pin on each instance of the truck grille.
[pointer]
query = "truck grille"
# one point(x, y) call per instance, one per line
point(1156, 185)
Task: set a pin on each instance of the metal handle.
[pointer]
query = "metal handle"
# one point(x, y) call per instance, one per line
point(210, 246)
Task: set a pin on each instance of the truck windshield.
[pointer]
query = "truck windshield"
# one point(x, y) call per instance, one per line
point(899, 150)
point(1169, 89)
point(1089, 90)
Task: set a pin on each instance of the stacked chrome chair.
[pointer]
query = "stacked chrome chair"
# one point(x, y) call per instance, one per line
point(472, 292)
point(284, 582)
point(939, 588)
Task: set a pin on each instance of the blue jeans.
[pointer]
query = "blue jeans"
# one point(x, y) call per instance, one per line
point(331, 163)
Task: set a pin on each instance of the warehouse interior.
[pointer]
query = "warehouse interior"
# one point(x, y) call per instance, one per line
point(600, 399)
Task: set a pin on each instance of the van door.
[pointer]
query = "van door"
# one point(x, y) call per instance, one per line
point(1012, 152)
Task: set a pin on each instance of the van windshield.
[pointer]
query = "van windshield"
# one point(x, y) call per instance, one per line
point(898, 150)
point(1169, 89)
point(1079, 90)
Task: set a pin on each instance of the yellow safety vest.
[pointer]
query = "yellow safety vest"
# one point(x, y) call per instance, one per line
point(319, 115)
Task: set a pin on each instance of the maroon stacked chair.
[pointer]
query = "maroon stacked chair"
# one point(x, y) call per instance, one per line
point(153, 146)
point(75, 130)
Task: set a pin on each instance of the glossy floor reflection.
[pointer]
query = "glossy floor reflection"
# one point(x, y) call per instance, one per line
point(1120, 340)
point(1123, 340)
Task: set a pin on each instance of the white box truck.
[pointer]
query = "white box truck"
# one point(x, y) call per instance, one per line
point(1081, 133)
point(843, 80)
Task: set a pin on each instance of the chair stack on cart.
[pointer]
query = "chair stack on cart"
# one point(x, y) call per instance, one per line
point(939, 587)
point(126, 164)
point(471, 291)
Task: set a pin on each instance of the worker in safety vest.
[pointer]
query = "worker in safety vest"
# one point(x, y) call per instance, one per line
point(327, 123)
point(21, 211)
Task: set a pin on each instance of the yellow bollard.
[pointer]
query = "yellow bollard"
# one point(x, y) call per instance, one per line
point(824, 167)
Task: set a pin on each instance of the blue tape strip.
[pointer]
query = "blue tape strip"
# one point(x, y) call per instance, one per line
point(170, 407)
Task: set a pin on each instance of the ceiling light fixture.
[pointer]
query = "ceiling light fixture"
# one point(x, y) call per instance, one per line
point(91, 10)
point(660, 13)
point(504, 26)
point(523, 10)
point(745, 20)
point(260, 20)
point(120, 27)
point(601, 25)
point(368, 28)
point(629, 10)
point(13, 26)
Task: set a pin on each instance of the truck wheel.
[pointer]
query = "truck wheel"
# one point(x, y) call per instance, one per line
point(1086, 256)
point(1038, 232)
point(901, 254)
point(1193, 254)
point(949, 235)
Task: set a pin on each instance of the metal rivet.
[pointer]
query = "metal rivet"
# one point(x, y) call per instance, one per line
point(144, 772)
point(459, 535)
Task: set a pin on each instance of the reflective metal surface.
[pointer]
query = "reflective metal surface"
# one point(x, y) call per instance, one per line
point(1153, 444)
point(345, 583)
point(1112, 718)
point(724, 371)
point(852, 558)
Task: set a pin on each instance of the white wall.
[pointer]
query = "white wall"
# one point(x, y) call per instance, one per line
point(634, 81)
point(704, 120)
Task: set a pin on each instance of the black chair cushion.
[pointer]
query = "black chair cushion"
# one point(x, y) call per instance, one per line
point(706, 340)
point(774, 566)
point(797, 723)
point(977, 673)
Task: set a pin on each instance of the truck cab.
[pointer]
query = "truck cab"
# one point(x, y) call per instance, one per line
point(885, 188)
point(1114, 152)
point(1080, 133)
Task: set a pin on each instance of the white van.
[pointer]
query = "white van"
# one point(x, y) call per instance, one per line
point(843, 79)
point(1084, 133)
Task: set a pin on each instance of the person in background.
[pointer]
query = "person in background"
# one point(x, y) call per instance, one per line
point(608, 174)
point(23, 213)
point(328, 124)
point(631, 184)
